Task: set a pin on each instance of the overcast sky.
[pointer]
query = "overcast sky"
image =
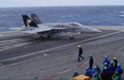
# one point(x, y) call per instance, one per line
point(32, 3)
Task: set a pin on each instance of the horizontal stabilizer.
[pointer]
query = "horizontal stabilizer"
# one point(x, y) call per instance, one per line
point(18, 28)
point(37, 30)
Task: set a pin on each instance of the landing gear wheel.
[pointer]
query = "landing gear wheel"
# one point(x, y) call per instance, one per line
point(49, 37)
point(71, 38)
point(41, 38)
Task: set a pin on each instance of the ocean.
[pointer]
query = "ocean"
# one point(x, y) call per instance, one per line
point(86, 15)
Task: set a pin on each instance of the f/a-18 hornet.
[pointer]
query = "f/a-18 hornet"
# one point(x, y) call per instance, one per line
point(33, 25)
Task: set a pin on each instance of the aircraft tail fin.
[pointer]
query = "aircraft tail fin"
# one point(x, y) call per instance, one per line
point(35, 18)
point(28, 22)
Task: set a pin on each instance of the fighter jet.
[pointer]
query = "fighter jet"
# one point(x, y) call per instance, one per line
point(33, 25)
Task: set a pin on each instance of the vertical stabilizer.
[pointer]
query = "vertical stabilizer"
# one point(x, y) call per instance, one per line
point(28, 22)
point(35, 18)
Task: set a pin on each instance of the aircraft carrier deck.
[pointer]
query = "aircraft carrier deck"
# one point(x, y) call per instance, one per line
point(24, 56)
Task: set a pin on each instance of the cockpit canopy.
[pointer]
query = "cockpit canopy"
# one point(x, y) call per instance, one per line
point(75, 24)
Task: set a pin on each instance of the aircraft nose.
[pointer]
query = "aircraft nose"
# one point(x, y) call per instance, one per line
point(95, 30)
point(90, 29)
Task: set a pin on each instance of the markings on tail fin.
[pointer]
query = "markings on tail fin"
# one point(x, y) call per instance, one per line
point(35, 19)
point(28, 22)
point(25, 20)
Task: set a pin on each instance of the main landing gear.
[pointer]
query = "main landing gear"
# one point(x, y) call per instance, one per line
point(72, 38)
point(44, 38)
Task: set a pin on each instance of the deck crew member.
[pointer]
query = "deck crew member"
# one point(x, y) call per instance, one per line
point(80, 53)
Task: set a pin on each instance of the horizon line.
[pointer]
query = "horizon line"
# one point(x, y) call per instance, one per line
point(57, 6)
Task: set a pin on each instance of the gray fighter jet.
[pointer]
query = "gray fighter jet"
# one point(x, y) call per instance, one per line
point(33, 25)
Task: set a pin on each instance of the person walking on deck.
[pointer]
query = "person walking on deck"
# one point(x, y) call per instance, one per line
point(80, 53)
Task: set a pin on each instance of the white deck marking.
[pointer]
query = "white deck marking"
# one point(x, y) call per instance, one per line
point(86, 62)
point(121, 48)
point(13, 46)
point(45, 54)
point(107, 54)
point(7, 42)
point(1, 35)
point(109, 27)
point(65, 71)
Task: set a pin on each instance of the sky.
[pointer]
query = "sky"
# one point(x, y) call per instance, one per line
point(38, 3)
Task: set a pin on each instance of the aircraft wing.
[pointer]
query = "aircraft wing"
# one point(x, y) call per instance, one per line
point(42, 29)
point(59, 28)
point(37, 30)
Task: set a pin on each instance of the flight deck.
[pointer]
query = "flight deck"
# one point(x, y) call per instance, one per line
point(24, 56)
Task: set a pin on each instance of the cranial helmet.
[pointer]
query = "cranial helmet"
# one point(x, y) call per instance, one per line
point(111, 62)
point(115, 58)
point(90, 55)
point(105, 68)
point(105, 57)
point(86, 68)
point(79, 46)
